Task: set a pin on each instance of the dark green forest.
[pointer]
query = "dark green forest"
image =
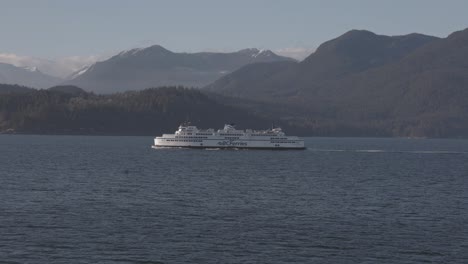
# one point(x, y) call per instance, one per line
point(66, 110)
point(70, 110)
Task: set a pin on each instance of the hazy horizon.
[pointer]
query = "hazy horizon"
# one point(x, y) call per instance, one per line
point(72, 34)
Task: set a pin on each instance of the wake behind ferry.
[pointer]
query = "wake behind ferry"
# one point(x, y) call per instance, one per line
point(229, 137)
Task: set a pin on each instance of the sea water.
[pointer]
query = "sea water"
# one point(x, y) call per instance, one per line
point(85, 199)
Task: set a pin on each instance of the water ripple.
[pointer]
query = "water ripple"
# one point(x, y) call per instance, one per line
point(115, 200)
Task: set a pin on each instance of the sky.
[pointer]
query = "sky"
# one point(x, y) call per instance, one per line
point(58, 29)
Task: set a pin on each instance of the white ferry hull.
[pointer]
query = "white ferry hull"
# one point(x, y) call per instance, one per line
point(161, 142)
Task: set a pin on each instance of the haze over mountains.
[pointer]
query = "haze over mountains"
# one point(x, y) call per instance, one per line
point(155, 66)
point(60, 67)
point(32, 77)
point(134, 69)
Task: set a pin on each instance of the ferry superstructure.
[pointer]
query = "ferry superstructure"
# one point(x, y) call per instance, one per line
point(188, 136)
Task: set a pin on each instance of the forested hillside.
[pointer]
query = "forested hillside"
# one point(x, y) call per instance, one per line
point(148, 112)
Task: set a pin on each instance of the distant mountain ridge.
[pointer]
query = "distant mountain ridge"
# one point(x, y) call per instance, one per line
point(155, 66)
point(366, 84)
point(353, 52)
point(10, 74)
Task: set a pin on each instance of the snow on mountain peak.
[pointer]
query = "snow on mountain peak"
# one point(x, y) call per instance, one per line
point(129, 52)
point(31, 69)
point(80, 72)
point(262, 52)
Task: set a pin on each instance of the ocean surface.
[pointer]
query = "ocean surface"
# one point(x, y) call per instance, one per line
point(84, 199)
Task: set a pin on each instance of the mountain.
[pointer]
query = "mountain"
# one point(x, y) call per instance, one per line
point(424, 93)
point(58, 67)
point(31, 77)
point(365, 84)
point(353, 52)
point(250, 79)
point(359, 84)
point(155, 66)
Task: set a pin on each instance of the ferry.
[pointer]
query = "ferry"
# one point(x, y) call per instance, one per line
point(188, 136)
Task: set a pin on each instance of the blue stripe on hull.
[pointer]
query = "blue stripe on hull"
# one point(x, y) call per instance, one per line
point(223, 147)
